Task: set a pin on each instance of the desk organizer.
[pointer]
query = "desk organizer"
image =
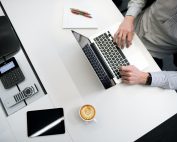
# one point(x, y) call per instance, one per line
point(9, 101)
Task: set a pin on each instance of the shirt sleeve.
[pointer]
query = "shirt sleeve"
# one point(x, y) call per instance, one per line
point(164, 79)
point(135, 7)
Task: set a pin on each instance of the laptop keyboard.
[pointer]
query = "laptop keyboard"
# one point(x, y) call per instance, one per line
point(113, 54)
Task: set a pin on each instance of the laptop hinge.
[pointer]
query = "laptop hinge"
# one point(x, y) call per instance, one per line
point(104, 63)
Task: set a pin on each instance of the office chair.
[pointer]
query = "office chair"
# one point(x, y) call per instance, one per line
point(121, 5)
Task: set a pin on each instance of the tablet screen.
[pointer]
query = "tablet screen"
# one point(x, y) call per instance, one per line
point(45, 122)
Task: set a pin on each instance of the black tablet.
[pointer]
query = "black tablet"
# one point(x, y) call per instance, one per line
point(45, 122)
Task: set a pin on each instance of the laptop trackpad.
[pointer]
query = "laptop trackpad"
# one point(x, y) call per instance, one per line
point(135, 57)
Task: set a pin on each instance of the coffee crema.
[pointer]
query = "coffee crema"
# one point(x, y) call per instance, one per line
point(87, 112)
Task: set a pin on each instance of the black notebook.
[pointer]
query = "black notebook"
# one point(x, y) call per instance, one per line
point(45, 122)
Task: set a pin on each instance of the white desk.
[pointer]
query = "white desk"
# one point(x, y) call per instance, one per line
point(124, 113)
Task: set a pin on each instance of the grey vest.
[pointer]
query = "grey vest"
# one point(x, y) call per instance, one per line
point(157, 28)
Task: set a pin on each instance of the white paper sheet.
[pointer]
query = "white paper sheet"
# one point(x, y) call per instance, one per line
point(71, 20)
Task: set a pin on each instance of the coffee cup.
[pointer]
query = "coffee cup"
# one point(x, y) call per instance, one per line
point(87, 112)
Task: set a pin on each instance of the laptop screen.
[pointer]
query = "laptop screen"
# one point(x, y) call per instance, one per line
point(82, 40)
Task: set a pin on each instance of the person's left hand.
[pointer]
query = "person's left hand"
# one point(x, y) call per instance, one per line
point(124, 35)
point(131, 75)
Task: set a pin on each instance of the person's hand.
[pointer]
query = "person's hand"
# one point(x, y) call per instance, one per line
point(131, 75)
point(124, 35)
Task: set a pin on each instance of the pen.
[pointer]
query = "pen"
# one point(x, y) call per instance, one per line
point(79, 12)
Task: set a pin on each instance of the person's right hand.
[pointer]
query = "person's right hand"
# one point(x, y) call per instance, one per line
point(124, 35)
point(132, 75)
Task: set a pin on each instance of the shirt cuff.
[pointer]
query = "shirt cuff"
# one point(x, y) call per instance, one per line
point(159, 79)
point(132, 11)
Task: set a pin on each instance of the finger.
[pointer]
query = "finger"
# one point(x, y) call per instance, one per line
point(128, 44)
point(115, 36)
point(125, 74)
point(118, 40)
point(125, 81)
point(126, 68)
point(126, 78)
point(121, 68)
point(123, 40)
point(129, 39)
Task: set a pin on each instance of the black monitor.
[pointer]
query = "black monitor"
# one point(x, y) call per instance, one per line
point(9, 43)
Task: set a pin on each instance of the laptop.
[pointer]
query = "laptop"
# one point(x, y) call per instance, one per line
point(106, 57)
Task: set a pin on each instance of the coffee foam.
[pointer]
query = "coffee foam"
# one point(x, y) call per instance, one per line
point(87, 112)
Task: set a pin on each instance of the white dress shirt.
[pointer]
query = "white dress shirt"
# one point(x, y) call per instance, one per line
point(157, 28)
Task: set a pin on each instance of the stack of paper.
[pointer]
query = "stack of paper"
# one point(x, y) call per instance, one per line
point(71, 20)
